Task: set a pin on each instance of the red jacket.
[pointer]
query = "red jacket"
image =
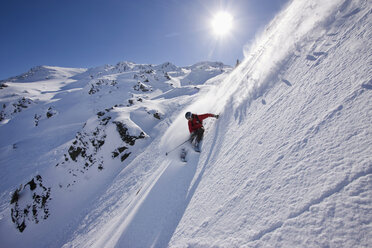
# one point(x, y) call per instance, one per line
point(197, 121)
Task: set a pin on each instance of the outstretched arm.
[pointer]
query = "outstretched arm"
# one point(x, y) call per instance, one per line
point(204, 116)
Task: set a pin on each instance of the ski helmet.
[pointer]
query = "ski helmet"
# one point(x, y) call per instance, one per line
point(188, 115)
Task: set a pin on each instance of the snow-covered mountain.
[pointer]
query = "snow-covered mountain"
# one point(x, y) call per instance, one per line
point(287, 164)
point(66, 133)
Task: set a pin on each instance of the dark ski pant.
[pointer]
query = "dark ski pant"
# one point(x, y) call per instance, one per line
point(197, 135)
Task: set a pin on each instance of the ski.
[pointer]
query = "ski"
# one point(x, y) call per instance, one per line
point(197, 147)
point(183, 155)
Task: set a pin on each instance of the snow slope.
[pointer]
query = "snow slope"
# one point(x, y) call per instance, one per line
point(67, 133)
point(288, 163)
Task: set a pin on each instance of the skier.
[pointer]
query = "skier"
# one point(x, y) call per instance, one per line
point(196, 127)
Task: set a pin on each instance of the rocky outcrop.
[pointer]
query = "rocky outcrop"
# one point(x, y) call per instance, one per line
point(30, 203)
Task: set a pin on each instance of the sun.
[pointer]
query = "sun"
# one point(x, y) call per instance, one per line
point(222, 23)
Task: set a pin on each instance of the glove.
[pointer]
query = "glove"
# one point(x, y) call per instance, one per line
point(216, 116)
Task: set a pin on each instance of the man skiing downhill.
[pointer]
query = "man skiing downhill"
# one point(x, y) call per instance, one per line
point(196, 127)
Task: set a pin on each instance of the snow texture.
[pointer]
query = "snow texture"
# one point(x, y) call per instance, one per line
point(288, 163)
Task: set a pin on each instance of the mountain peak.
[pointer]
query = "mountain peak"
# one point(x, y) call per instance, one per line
point(43, 72)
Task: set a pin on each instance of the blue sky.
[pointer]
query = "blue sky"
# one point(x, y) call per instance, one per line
point(76, 33)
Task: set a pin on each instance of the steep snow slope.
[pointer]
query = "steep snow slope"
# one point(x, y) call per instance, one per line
point(288, 163)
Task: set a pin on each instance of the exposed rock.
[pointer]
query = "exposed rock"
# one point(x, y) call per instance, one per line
point(2, 86)
point(51, 112)
point(124, 134)
point(100, 84)
point(142, 87)
point(9, 110)
point(32, 206)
